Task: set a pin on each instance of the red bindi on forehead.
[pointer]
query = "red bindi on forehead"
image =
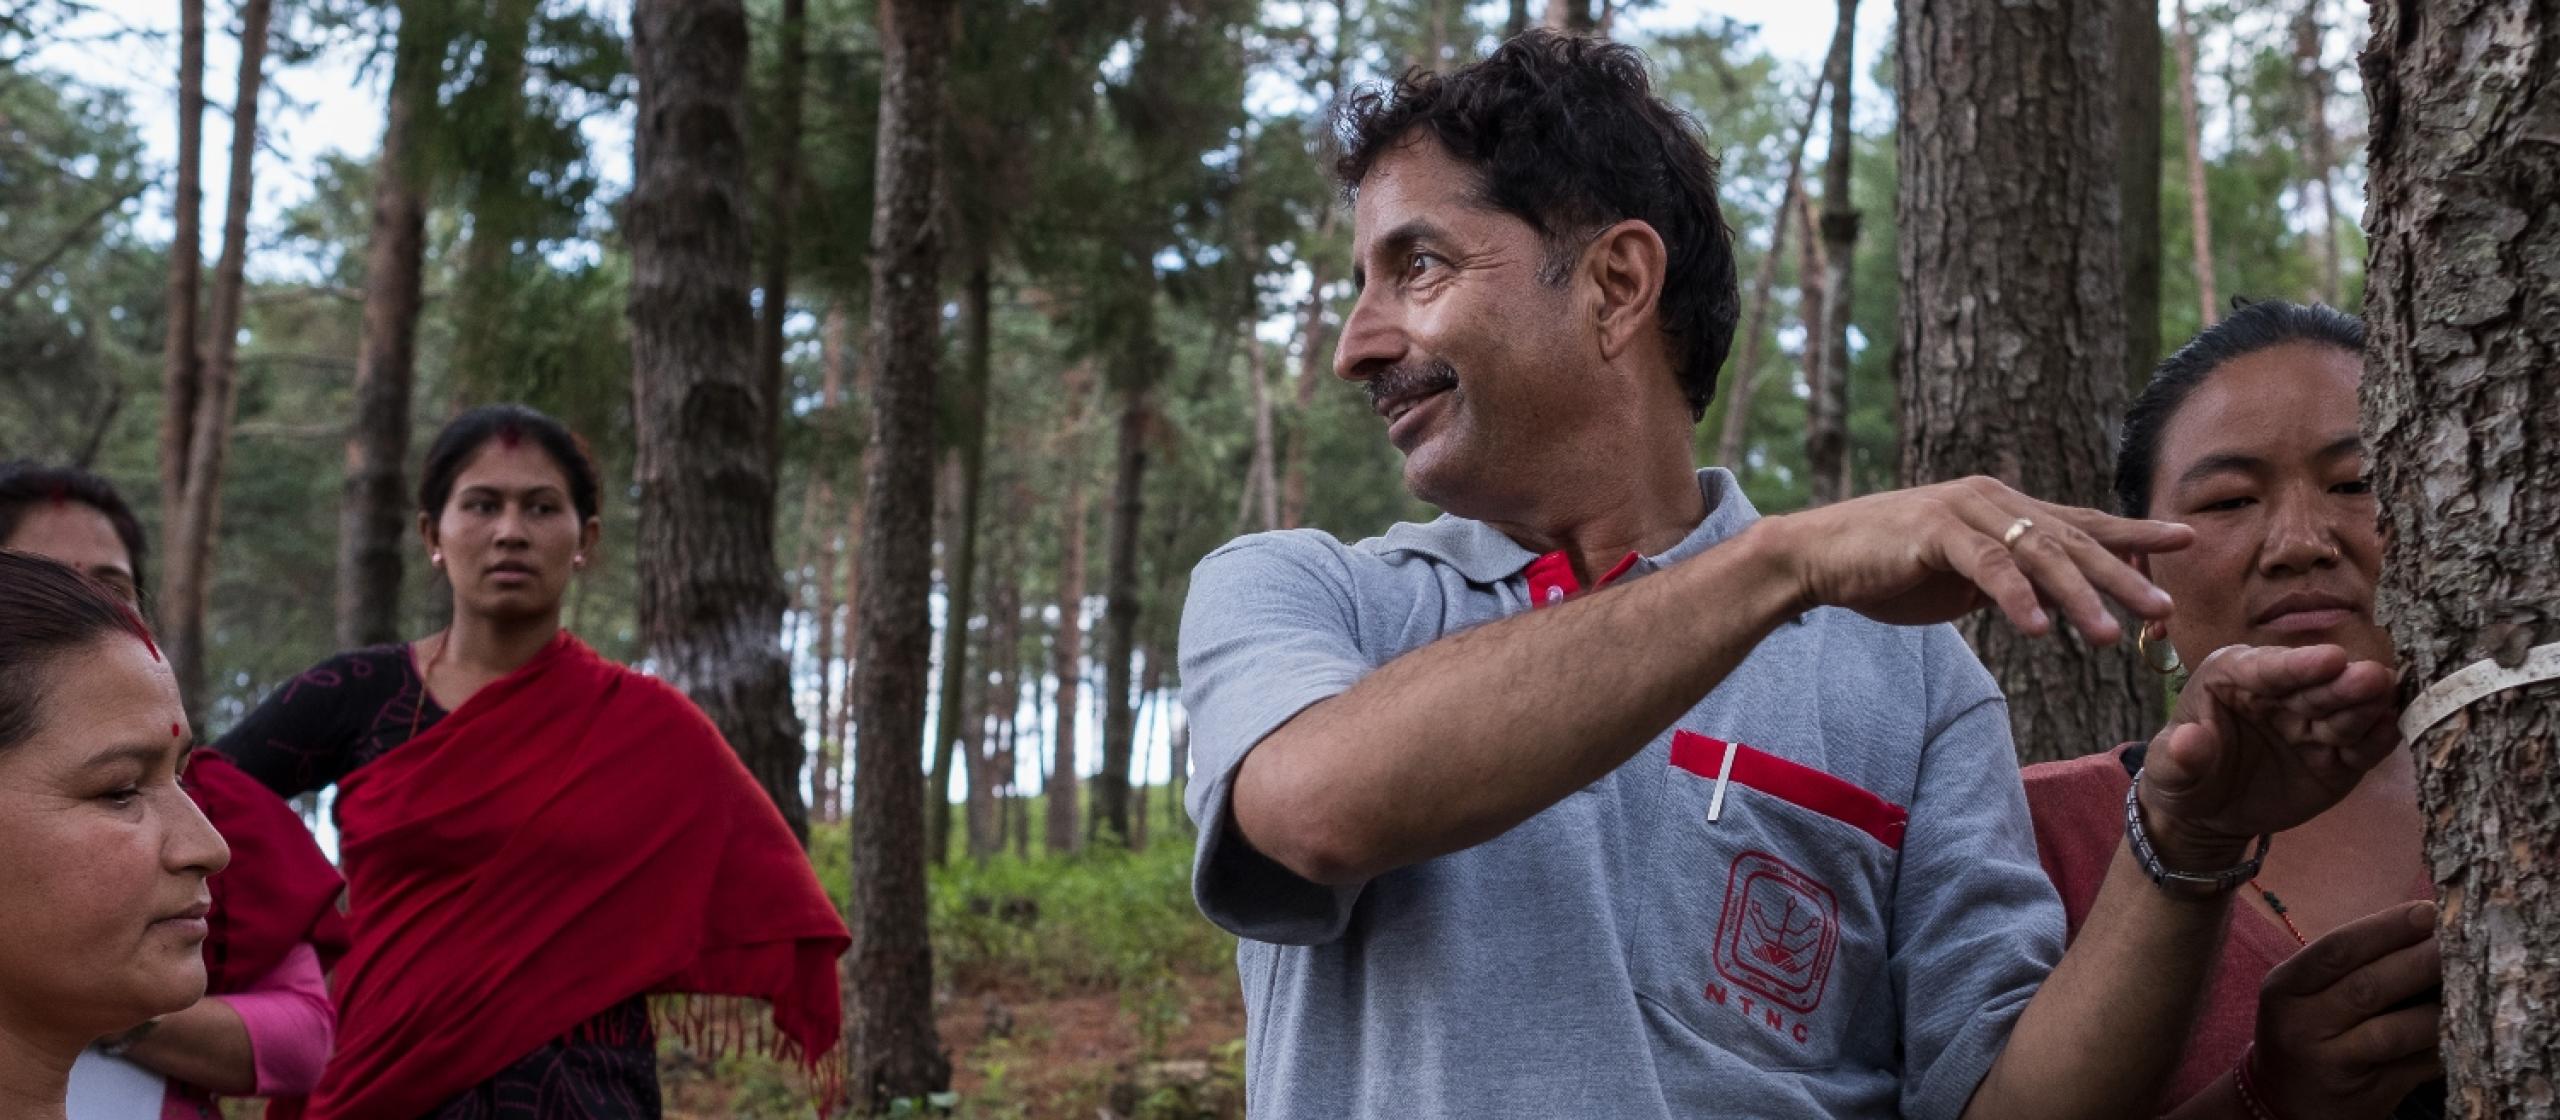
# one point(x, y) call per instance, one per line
point(510, 437)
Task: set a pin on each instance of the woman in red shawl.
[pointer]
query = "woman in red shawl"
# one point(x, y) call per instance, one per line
point(265, 1028)
point(534, 839)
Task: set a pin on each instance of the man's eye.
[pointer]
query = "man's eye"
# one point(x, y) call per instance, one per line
point(2358, 487)
point(122, 798)
point(1419, 262)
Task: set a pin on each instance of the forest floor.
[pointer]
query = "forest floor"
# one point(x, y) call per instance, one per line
point(1082, 987)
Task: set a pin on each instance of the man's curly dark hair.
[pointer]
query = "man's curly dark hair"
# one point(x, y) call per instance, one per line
point(1564, 132)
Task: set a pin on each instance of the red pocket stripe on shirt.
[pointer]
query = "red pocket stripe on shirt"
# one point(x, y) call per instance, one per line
point(1794, 783)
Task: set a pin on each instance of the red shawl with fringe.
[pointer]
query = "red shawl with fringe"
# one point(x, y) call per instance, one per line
point(279, 891)
point(577, 833)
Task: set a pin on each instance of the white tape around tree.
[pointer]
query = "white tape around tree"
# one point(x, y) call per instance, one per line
point(2481, 679)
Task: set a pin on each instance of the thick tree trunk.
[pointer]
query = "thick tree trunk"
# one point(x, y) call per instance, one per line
point(2199, 202)
point(968, 425)
point(191, 537)
point(782, 197)
point(182, 359)
point(1120, 615)
point(2464, 303)
point(2013, 309)
point(1735, 442)
point(2319, 147)
point(1827, 443)
point(1068, 666)
point(710, 595)
point(372, 526)
point(1518, 19)
point(2138, 182)
point(895, 1053)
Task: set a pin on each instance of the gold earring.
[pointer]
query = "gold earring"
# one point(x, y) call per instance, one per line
point(2168, 666)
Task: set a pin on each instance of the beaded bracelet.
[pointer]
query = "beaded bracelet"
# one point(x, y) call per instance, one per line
point(2248, 1093)
point(2218, 882)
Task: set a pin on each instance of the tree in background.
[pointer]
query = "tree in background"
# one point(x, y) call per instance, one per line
point(187, 570)
point(895, 1052)
point(2012, 311)
point(1826, 451)
point(372, 526)
point(2463, 424)
point(711, 598)
point(2138, 165)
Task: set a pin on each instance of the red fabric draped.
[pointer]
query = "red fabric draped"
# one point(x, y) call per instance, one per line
point(279, 890)
point(576, 834)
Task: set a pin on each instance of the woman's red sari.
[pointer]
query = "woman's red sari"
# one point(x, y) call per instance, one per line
point(575, 834)
point(279, 891)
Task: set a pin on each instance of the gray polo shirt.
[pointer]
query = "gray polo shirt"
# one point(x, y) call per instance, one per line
point(1853, 935)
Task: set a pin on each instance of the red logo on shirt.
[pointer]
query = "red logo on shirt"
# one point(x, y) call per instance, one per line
point(1778, 932)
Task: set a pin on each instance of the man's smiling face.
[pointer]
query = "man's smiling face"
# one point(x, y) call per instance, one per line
point(1468, 352)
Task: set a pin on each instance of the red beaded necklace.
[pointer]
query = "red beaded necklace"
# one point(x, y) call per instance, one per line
point(2277, 905)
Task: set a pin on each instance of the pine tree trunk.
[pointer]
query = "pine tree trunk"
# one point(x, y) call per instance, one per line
point(2319, 147)
point(2464, 303)
point(782, 198)
point(1061, 788)
point(1734, 445)
point(895, 1053)
point(1518, 19)
point(1145, 740)
point(2138, 188)
point(711, 596)
point(1827, 443)
point(2013, 311)
point(372, 525)
point(977, 705)
point(968, 409)
point(182, 360)
point(818, 520)
point(191, 538)
point(1812, 271)
point(1311, 372)
point(1261, 485)
point(1120, 615)
point(2199, 202)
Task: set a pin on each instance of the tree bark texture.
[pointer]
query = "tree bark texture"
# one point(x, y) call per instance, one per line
point(1120, 617)
point(2138, 167)
point(1068, 664)
point(372, 521)
point(710, 595)
point(2013, 310)
point(1734, 443)
point(894, 1050)
point(968, 428)
point(1827, 439)
point(181, 360)
point(191, 537)
point(2463, 424)
point(2199, 197)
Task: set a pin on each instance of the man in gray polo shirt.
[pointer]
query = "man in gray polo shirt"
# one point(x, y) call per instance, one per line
point(1604, 797)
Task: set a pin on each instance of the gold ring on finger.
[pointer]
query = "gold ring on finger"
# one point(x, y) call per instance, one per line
point(2017, 529)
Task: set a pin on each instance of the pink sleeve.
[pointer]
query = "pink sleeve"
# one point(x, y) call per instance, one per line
point(290, 1024)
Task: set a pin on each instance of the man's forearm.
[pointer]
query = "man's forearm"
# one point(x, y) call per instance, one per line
point(1458, 741)
point(2104, 1034)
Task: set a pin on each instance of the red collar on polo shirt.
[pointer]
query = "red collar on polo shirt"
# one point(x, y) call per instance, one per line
point(1551, 577)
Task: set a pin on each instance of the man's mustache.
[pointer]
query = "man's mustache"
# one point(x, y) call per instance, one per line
point(1411, 379)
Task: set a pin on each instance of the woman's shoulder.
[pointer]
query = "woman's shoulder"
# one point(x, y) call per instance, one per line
point(2105, 772)
point(2077, 806)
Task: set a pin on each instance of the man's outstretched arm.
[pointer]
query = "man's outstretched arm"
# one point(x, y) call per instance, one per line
point(1460, 740)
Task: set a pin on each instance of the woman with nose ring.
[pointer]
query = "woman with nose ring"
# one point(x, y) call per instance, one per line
point(2325, 1003)
point(535, 839)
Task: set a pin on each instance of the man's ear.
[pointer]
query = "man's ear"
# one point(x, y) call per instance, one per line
point(1626, 264)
